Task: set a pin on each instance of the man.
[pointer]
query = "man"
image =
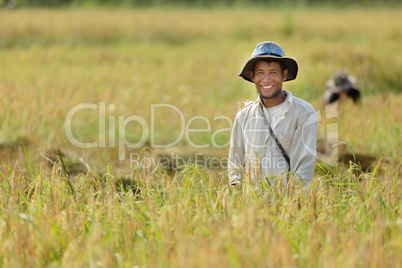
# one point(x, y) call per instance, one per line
point(256, 152)
point(340, 87)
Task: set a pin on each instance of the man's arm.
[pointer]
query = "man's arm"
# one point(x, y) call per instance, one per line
point(303, 150)
point(236, 153)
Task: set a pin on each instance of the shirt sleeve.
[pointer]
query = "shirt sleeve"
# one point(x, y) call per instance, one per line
point(303, 149)
point(236, 153)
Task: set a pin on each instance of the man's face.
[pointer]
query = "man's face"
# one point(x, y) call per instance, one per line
point(268, 78)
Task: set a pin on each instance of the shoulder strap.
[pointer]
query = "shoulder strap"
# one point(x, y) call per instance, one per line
point(285, 155)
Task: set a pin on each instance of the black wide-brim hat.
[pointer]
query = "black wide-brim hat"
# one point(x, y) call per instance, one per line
point(340, 82)
point(269, 50)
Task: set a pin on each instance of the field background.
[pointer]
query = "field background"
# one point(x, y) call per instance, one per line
point(54, 59)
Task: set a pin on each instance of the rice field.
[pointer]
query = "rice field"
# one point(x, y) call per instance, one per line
point(131, 80)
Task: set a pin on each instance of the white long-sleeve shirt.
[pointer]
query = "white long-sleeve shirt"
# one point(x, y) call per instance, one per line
point(255, 154)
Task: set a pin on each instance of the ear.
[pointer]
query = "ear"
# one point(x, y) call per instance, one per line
point(252, 75)
point(285, 74)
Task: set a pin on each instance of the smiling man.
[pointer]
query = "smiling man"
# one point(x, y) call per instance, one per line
point(276, 133)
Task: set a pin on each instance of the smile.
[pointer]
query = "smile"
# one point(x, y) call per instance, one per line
point(267, 87)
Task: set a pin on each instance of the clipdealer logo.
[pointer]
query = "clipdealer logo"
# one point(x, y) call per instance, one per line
point(107, 127)
point(147, 130)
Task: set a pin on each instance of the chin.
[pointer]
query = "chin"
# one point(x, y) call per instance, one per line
point(271, 96)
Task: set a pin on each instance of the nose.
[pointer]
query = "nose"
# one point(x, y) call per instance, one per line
point(266, 78)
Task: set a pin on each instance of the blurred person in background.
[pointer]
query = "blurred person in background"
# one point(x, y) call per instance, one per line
point(341, 87)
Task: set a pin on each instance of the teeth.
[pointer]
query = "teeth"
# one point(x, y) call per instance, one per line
point(268, 87)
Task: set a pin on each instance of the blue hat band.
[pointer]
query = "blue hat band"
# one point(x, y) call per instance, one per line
point(270, 54)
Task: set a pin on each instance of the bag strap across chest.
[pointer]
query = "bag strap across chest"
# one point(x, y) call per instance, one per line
point(285, 155)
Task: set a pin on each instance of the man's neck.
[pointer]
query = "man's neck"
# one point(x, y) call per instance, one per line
point(269, 103)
